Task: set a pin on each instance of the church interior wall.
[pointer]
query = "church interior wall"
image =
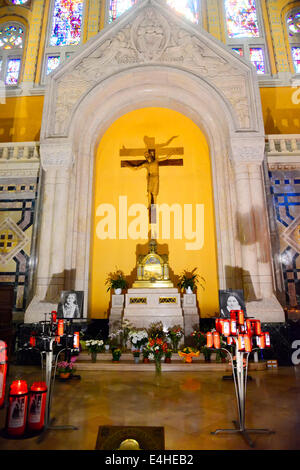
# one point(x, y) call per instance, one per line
point(21, 113)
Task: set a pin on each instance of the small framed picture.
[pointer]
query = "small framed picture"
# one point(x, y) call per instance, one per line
point(70, 304)
point(231, 300)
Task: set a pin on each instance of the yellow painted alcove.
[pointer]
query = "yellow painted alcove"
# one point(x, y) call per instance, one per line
point(187, 184)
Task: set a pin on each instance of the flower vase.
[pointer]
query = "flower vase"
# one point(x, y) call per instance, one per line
point(136, 359)
point(167, 360)
point(146, 360)
point(64, 375)
point(175, 346)
point(158, 366)
point(94, 356)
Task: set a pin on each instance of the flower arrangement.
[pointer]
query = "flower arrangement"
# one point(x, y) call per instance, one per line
point(94, 345)
point(190, 280)
point(168, 355)
point(156, 330)
point(188, 353)
point(157, 347)
point(138, 338)
point(146, 353)
point(175, 333)
point(116, 280)
point(199, 338)
point(119, 336)
point(116, 354)
point(65, 367)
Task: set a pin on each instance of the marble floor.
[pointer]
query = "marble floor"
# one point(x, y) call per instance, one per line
point(188, 405)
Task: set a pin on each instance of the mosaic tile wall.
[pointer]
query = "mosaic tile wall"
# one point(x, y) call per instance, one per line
point(18, 198)
point(285, 190)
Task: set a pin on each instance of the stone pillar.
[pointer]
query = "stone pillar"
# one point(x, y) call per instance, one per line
point(45, 236)
point(262, 230)
point(190, 315)
point(56, 159)
point(247, 233)
point(58, 239)
point(254, 236)
point(116, 311)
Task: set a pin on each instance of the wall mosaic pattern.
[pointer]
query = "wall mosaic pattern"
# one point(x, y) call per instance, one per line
point(17, 210)
point(285, 190)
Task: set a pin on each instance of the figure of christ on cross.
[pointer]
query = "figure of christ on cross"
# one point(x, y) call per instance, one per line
point(152, 154)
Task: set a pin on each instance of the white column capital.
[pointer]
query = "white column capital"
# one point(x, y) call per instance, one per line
point(247, 149)
point(56, 153)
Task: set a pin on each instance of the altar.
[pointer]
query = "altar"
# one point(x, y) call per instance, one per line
point(153, 297)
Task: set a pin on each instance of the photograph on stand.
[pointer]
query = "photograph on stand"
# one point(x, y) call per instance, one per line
point(70, 305)
point(231, 300)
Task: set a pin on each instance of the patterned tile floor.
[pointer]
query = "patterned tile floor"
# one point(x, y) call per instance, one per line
point(189, 405)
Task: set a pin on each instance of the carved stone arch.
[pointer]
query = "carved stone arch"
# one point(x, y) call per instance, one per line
point(184, 69)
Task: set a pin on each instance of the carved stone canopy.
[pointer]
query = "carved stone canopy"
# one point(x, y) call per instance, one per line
point(151, 33)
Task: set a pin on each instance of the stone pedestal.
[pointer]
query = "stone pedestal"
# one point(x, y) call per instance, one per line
point(116, 311)
point(146, 306)
point(190, 314)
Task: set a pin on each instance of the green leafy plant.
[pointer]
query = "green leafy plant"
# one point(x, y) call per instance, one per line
point(206, 353)
point(116, 354)
point(116, 280)
point(168, 353)
point(136, 353)
point(190, 279)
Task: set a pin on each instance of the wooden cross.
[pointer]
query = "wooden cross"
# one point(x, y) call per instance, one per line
point(160, 150)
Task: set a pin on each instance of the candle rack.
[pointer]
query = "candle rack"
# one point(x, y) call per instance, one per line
point(239, 372)
point(50, 373)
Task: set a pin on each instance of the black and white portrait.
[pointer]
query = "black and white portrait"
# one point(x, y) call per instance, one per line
point(70, 304)
point(231, 300)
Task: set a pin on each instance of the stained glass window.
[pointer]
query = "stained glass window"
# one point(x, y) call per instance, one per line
point(293, 23)
point(11, 36)
point(257, 59)
point(296, 58)
point(19, 2)
point(188, 8)
point(52, 63)
point(12, 72)
point(239, 51)
point(66, 23)
point(241, 19)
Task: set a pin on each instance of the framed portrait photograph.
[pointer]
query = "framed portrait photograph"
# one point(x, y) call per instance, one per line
point(70, 304)
point(231, 300)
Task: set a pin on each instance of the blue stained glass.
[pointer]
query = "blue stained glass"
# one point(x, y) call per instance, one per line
point(52, 63)
point(66, 23)
point(19, 2)
point(13, 69)
point(257, 59)
point(296, 58)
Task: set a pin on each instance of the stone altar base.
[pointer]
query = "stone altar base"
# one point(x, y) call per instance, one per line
point(146, 306)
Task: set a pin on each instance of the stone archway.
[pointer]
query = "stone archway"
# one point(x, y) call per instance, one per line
point(182, 68)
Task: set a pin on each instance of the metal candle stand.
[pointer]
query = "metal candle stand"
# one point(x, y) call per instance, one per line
point(50, 381)
point(239, 372)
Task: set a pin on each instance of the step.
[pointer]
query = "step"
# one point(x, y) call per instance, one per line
point(126, 366)
point(128, 356)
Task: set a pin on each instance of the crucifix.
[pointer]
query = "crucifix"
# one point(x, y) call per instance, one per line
point(156, 155)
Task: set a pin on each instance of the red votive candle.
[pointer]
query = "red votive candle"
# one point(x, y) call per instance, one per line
point(217, 342)
point(209, 340)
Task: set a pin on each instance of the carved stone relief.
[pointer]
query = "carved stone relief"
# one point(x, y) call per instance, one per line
point(152, 39)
